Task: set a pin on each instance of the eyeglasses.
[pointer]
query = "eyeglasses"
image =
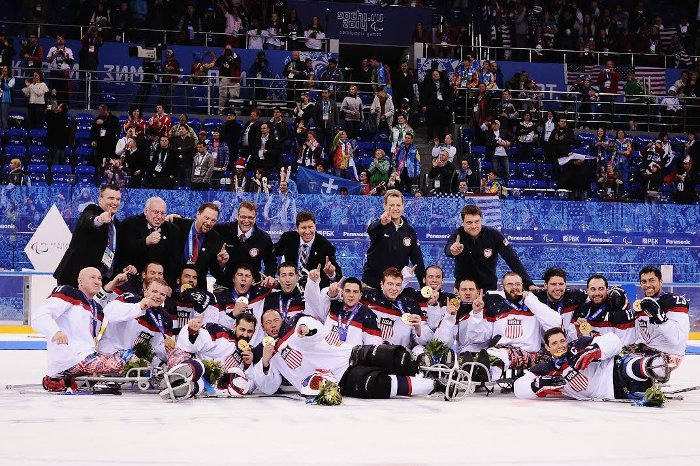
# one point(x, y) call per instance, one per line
point(246, 217)
point(157, 212)
point(512, 285)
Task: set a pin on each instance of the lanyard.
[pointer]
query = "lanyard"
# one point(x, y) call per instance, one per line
point(284, 306)
point(343, 330)
point(93, 312)
point(157, 320)
point(597, 313)
point(190, 242)
point(559, 305)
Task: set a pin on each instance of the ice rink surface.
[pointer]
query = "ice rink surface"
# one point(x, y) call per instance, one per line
point(142, 429)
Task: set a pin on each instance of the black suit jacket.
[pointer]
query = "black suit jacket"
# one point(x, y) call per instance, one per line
point(288, 246)
point(256, 251)
point(206, 259)
point(134, 251)
point(87, 245)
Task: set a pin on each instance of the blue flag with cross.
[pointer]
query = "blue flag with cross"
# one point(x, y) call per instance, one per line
point(313, 182)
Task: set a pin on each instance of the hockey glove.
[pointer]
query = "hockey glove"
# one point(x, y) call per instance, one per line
point(617, 298)
point(651, 308)
point(548, 385)
point(199, 298)
point(587, 356)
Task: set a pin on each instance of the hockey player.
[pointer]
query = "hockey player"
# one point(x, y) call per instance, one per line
point(243, 296)
point(131, 319)
point(607, 310)
point(560, 298)
point(400, 318)
point(338, 306)
point(661, 319)
point(514, 326)
point(71, 319)
point(191, 302)
point(588, 368)
point(382, 371)
point(431, 298)
point(288, 300)
point(458, 326)
point(135, 284)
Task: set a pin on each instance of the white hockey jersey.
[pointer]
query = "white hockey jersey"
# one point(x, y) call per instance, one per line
point(462, 329)
point(213, 342)
point(670, 337)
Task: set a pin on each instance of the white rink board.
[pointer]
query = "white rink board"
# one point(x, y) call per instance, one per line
point(136, 429)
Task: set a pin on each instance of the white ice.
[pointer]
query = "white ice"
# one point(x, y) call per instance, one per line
point(142, 429)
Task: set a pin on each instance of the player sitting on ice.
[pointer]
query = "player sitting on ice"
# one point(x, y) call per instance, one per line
point(431, 298)
point(188, 299)
point(367, 371)
point(230, 348)
point(513, 326)
point(243, 296)
point(661, 320)
point(288, 300)
point(346, 318)
point(607, 311)
point(71, 319)
point(589, 368)
point(559, 297)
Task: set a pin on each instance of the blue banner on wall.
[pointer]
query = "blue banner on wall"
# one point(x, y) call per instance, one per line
point(354, 23)
point(313, 182)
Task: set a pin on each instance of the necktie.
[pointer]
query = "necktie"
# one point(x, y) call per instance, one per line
point(304, 254)
point(195, 249)
point(111, 233)
point(242, 238)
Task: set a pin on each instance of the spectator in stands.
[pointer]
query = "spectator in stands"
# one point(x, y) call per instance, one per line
point(445, 37)
point(609, 182)
point(294, 73)
point(257, 36)
point(382, 111)
point(136, 160)
point(239, 180)
point(202, 168)
point(364, 75)
point(7, 82)
point(655, 161)
point(351, 109)
point(521, 30)
point(278, 127)
point(16, 176)
point(164, 165)
point(331, 78)
point(686, 181)
point(589, 103)
point(560, 144)
point(653, 46)
point(181, 121)
point(608, 80)
point(199, 69)
point(622, 151)
point(310, 151)
point(498, 142)
point(436, 103)
point(420, 35)
point(221, 156)
point(32, 55)
point(170, 76)
point(7, 51)
point(402, 83)
point(506, 112)
point(251, 132)
point(493, 184)
point(181, 148)
point(379, 168)
point(258, 183)
point(671, 108)
point(234, 24)
point(601, 148)
point(486, 76)
point(35, 90)
point(304, 109)
point(342, 157)
point(326, 119)
point(527, 136)
point(189, 24)
point(60, 60)
point(122, 20)
point(408, 163)
point(88, 55)
point(104, 134)
point(400, 129)
point(295, 29)
point(229, 65)
point(441, 173)
point(231, 133)
point(114, 173)
point(692, 148)
point(259, 74)
point(265, 150)
point(586, 46)
point(212, 24)
point(314, 35)
point(136, 122)
point(483, 111)
point(381, 76)
point(634, 92)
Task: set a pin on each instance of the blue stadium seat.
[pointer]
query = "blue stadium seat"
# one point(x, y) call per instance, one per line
point(467, 134)
point(37, 136)
point(68, 155)
point(85, 174)
point(38, 154)
point(37, 171)
point(195, 124)
point(385, 146)
point(641, 141)
point(88, 117)
point(15, 152)
point(62, 174)
point(546, 171)
point(382, 137)
point(288, 159)
point(82, 138)
point(210, 123)
point(478, 152)
point(83, 155)
point(678, 142)
point(528, 171)
point(364, 149)
point(17, 136)
point(636, 159)
point(517, 184)
point(537, 184)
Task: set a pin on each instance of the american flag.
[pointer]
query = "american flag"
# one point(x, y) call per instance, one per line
point(656, 76)
point(333, 337)
point(183, 318)
point(577, 381)
point(292, 357)
point(144, 337)
point(644, 330)
point(233, 360)
point(514, 329)
point(386, 325)
point(667, 36)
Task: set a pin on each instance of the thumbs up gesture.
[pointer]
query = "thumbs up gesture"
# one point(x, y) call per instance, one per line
point(315, 274)
point(223, 256)
point(329, 269)
point(457, 247)
point(106, 216)
point(153, 238)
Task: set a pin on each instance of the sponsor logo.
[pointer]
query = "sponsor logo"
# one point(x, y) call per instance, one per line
point(650, 241)
point(353, 234)
point(571, 239)
point(517, 238)
point(327, 233)
point(599, 240)
point(678, 242)
point(626, 240)
point(434, 236)
point(547, 238)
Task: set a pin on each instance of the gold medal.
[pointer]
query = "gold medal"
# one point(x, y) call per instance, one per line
point(185, 286)
point(243, 345)
point(637, 305)
point(406, 318)
point(426, 292)
point(268, 340)
point(559, 354)
point(585, 328)
point(455, 302)
point(243, 300)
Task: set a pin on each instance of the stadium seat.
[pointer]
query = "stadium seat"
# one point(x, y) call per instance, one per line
point(62, 174)
point(517, 184)
point(546, 171)
point(38, 154)
point(82, 138)
point(15, 152)
point(16, 136)
point(527, 171)
point(467, 134)
point(382, 137)
point(537, 184)
point(37, 136)
point(364, 149)
point(678, 142)
point(288, 159)
point(641, 141)
point(37, 171)
point(85, 174)
point(195, 124)
point(385, 146)
point(83, 156)
point(68, 155)
point(210, 123)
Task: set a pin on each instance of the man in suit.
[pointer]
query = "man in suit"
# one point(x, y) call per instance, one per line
point(251, 131)
point(164, 165)
point(94, 240)
point(147, 237)
point(265, 150)
point(308, 249)
point(202, 247)
point(247, 244)
point(326, 119)
point(498, 141)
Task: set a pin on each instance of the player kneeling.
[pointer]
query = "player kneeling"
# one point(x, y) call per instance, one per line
point(589, 368)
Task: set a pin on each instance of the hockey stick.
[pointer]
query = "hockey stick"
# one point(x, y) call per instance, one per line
point(23, 385)
point(682, 390)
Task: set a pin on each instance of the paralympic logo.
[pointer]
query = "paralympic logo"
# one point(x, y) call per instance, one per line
point(39, 247)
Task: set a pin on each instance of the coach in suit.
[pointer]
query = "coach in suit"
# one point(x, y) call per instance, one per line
point(94, 240)
point(147, 237)
point(247, 244)
point(202, 248)
point(308, 249)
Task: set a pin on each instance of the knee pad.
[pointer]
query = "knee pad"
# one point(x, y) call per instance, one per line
point(365, 382)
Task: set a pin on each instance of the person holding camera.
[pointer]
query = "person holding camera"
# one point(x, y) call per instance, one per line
point(114, 173)
point(32, 54)
point(498, 141)
point(35, 90)
point(60, 60)
point(88, 55)
point(229, 65)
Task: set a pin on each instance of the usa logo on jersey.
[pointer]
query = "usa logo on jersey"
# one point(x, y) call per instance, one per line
point(292, 357)
point(233, 360)
point(644, 330)
point(144, 337)
point(183, 318)
point(577, 381)
point(333, 337)
point(514, 329)
point(386, 325)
